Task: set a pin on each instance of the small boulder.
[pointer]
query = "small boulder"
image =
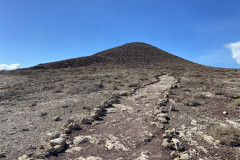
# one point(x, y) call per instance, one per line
point(175, 154)
point(53, 135)
point(163, 110)
point(73, 126)
point(58, 141)
point(225, 112)
point(24, 157)
point(96, 113)
point(57, 118)
point(162, 115)
point(2, 154)
point(185, 156)
point(166, 136)
point(50, 150)
point(234, 143)
point(172, 108)
point(158, 125)
point(86, 120)
point(163, 102)
point(67, 131)
point(58, 148)
point(102, 107)
point(173, 131)
point(167, 143)
point(162, 120)
point(40, 156)
point(166, 96)
point(177, 144)
point(70, 120)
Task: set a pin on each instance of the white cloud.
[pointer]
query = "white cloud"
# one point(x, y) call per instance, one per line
point(235, 48)
point(9, 67)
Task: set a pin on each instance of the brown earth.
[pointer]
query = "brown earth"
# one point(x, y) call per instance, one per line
point(125, 132)
point(31, 98)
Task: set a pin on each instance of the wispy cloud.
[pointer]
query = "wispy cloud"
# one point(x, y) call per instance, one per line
point(235, 48)
point(9, 67)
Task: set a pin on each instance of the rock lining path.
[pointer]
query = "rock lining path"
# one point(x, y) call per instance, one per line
point(125, 132)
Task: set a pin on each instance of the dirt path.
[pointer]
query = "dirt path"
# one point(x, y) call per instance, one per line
point(125, 133)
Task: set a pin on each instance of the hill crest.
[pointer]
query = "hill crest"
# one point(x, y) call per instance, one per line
point(135, 53)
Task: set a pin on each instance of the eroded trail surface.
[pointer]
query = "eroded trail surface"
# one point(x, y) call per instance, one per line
point(125, 132)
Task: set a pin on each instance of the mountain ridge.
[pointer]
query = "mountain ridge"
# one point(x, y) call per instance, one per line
point(135, 53)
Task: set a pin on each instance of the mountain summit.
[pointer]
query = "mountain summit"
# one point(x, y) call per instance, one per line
point(136, 53)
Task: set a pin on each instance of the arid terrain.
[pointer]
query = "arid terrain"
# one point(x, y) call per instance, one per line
point(132, 102)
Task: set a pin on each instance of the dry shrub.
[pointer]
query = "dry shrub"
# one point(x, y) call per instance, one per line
point(191, 102)
point(235, 104)
point(200, 95)
point(226, 134)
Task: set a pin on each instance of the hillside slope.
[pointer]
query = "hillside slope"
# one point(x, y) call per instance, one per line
point(133, 54)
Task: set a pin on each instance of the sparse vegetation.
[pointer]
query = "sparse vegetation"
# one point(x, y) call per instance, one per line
point(226, 134)
point(89, 108)
point(200, 95)
point(235, 104)
point(133, 85)
point(219, 93)
point(170, 91)
point(191, 102)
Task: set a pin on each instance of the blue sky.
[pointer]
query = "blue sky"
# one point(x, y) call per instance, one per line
point(40, 31)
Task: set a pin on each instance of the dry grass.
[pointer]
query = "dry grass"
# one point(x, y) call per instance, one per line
point(200, 95)
point(226, 134)
point(191, 102)
point(235, 104)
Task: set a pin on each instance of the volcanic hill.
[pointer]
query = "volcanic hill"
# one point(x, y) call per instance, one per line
point(130, 54)
point(132, 102)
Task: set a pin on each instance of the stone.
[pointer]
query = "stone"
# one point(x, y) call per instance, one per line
point(177, 144)
point(163, 102)
point(58, 148)
point(2, 154)
point(86, 120)
point(106, 104)
point(172, 108)
point(58, 141)
point(57, 118)
point(166, 136)
point(53, 135)
point(70, 120)
point(163, 115)
point(184, 156)
point(50, 150)
point(65, 106)
point(102, 107)
point(225, 112)
point(63, 136)
point(96, 113)
point(33, 147)
point(74, 126)
point(233, 143)
point(166, 143)
point(114, 100)
point(162, 120)
point(67, 131)
point(173, 131)
point(158, 125)
point(24, 157)
point(175, 154)
point(178, 80)
point(163, 110)
point(40, 156)
point(166, 96)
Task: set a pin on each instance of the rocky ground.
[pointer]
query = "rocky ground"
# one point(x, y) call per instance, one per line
point(126, 131)
point(153, 106)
